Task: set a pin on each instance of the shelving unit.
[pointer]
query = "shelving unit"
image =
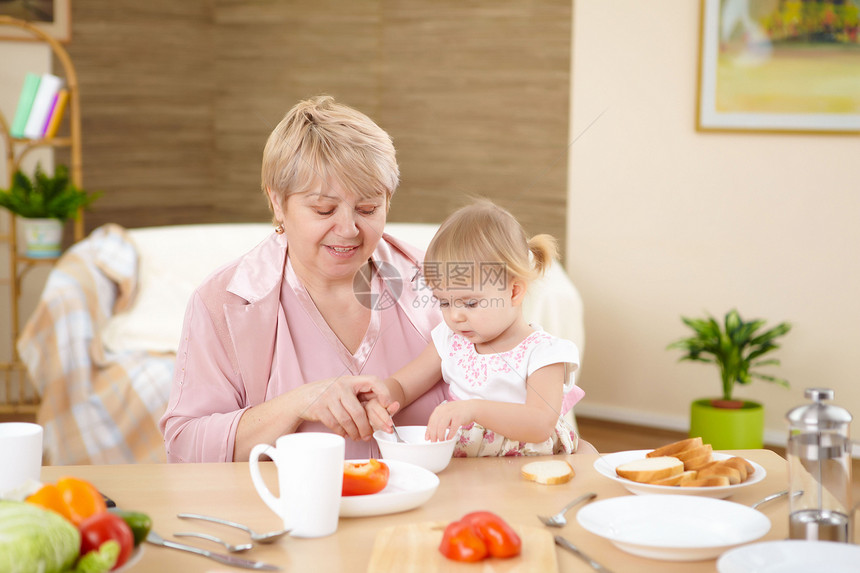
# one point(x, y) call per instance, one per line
point(14, 397)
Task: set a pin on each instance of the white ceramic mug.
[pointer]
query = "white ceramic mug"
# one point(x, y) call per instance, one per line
point(21, 455)
point(310, 480)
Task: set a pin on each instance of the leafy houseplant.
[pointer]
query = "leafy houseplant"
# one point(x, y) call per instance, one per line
point(736, 347)
point(45, 196)
point(44, 203)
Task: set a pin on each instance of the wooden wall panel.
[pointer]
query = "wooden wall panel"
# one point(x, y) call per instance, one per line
point(268, 58)
point(179, 97)
point(476, 97)
point(146, 99)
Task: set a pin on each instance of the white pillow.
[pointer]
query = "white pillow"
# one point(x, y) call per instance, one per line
point(173, 261)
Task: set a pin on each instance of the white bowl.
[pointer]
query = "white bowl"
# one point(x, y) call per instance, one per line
point(433, 456)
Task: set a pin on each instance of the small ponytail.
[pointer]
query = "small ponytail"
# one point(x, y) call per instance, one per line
point(544, 250)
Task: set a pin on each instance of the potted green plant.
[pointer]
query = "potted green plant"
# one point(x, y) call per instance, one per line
point(44, 203)
point(738, 348)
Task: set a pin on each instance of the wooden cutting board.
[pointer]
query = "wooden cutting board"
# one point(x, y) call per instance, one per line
point(414, 548)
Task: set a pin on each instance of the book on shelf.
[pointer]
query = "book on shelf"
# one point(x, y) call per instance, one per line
point(53, 123)
point(49, 86)
point(25, 102)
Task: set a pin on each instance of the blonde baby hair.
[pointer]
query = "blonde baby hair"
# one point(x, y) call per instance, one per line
point(319, 139)
point(483, 232)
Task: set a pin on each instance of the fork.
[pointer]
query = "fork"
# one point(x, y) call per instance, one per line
point(558, 520)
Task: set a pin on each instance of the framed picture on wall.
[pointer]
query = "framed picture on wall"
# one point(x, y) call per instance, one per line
point(50, 16)
point(779, 66)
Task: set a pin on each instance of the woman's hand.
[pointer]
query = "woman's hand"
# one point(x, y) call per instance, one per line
point(338, 403)
point(449, 416)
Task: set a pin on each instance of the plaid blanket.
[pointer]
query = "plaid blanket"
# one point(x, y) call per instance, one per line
point(97, 406)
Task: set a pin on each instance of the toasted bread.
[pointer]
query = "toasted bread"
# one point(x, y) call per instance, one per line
point(694, 452)
point(675, 447)
point(741, 465)
point(720, 469)
point(549, 472)
point(650, 469)
point(710, 481)
point(698, 462)
point(676, 479)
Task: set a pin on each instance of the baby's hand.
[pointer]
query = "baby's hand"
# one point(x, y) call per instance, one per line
point(379, 416)
point(448, 417)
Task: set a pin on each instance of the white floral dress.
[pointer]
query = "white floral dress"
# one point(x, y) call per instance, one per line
point(502, 377)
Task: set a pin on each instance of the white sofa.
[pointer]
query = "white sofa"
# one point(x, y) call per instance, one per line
point(100, 347)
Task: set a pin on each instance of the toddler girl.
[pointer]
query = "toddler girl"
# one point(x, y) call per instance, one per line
point(509, 381)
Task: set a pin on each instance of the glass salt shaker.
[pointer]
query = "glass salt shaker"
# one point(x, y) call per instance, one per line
point(819, 470)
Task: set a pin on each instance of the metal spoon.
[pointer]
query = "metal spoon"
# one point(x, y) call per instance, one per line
point(270, 537)
point(232, 560)
point(228, 546)
point(773, 496)
point(396, 435)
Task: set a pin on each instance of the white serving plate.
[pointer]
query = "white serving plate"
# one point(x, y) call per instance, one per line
point(607, 463)
point(135, 556)
point(793, 556)
point(408, 487)
point(673, 527)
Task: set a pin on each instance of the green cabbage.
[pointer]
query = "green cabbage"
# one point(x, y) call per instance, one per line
point(35, 539)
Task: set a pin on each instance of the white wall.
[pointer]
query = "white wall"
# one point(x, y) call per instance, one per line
point(664, 221)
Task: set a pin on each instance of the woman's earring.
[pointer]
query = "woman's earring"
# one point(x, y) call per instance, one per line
point(280, 229)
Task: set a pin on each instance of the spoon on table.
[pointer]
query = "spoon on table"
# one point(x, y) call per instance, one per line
point(270, 537)
point(228, 546)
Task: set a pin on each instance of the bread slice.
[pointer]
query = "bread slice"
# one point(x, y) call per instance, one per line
point(694, 452)
point(698, 462)
point(549, 472)
point(676, 479)
point(710, 481)
point(650, 469)
point(721, 469)
point(743, 466)
point(675, 447)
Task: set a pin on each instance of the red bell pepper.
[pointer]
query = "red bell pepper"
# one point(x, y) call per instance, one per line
point(363, 478)
point(461, 542)
point(478, 535)
point(501, 539)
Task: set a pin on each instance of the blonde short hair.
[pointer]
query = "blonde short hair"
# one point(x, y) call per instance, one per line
point(483, 232)
point(320, 140)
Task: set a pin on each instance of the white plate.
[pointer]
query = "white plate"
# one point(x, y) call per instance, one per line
point(135, 556)
point(607, 463)
point(794, 556)
point(673, 527)
point(408, 487)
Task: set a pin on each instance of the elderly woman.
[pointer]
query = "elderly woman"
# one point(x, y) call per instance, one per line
point(277, 341)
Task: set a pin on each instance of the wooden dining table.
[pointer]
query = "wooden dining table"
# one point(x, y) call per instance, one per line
point(495, 484)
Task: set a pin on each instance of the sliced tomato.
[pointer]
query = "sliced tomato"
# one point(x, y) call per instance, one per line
point(363, 478)
point(500, 538)
point(103, 527)
point(461, 542)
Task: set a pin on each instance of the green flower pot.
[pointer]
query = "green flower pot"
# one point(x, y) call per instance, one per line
point(728, 428)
